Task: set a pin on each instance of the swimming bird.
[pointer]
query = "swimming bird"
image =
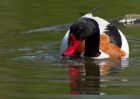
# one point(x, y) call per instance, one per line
point(93, 37)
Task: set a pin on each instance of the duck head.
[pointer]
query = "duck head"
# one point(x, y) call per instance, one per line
point(84, 29)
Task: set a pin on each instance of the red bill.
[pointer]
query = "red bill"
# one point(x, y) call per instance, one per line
point(72, 46)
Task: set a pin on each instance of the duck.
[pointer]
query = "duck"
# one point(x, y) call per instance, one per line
point(94, 37)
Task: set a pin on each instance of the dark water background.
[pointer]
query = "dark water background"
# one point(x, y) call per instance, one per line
point(30, 65)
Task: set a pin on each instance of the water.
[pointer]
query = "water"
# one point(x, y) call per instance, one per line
point(30, 62)
point(37, 71)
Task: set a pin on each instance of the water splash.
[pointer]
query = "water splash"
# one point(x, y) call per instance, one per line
point(46, 53)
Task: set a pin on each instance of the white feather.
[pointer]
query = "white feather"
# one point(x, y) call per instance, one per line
point(64, 43)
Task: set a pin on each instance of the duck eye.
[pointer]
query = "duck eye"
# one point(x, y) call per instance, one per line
point(80, 35)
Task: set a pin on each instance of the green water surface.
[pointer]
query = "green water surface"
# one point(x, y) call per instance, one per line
point(30, 67)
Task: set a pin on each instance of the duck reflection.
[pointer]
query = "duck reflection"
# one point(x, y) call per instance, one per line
point(86, 76)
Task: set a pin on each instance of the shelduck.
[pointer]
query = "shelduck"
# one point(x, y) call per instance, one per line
point(94, 37)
